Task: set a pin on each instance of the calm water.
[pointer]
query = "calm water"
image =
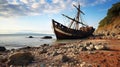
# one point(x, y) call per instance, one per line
point(14, 41)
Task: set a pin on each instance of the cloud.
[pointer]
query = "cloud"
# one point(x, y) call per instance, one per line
point(13, 8)
point(99, 2)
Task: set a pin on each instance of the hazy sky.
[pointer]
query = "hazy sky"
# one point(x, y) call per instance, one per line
point(35, 15)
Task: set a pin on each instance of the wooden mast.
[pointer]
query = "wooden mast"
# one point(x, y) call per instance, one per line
point(76, 19)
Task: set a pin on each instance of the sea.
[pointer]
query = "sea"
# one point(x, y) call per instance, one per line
point(16, 41)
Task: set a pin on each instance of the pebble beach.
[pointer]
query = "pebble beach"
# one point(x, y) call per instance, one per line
point(82, 53)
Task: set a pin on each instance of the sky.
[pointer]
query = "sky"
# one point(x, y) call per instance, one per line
point(34, 16)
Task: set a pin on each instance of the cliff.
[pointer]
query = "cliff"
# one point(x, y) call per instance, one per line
point(110, 25)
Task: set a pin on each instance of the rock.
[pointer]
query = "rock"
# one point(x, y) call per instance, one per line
point(83, 64)
point(47, 37)
point(27, 47)
point(2, 48)
point(42, 50)
point(88, 43)
point(21, 58)
point(83, 49)
point(61, 51)
point(3, 58)
point(91, 47)
point(55, 53)
point(62, 58)
point(30, 37)
point(118, 37)
point(65, 58)
point(99, 47)
point(45, 45)
point(58, 57)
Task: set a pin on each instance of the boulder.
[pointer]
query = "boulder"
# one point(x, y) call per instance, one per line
point(47, 37)
point(2, 48)
point(20, 59)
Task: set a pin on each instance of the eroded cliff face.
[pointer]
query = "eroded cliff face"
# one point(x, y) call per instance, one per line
point(110, 25)
point(110, 29)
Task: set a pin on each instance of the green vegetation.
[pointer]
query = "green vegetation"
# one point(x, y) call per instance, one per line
point(112, 12)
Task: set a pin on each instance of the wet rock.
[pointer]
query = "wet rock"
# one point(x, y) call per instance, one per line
point(30, 37)
point(47, 37)
point(27, 47)
point(45, 45)
point(2, 48)
point(20, 58)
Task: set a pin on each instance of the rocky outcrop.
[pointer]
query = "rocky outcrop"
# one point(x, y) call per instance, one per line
point(111, 31)
point(110, 25)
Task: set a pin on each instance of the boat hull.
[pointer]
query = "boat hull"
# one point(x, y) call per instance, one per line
point(63, 32)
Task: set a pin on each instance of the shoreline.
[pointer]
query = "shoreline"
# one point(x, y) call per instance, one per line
point(79, 53)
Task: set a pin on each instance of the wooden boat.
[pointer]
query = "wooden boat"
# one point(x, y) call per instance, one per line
point(73, 31)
